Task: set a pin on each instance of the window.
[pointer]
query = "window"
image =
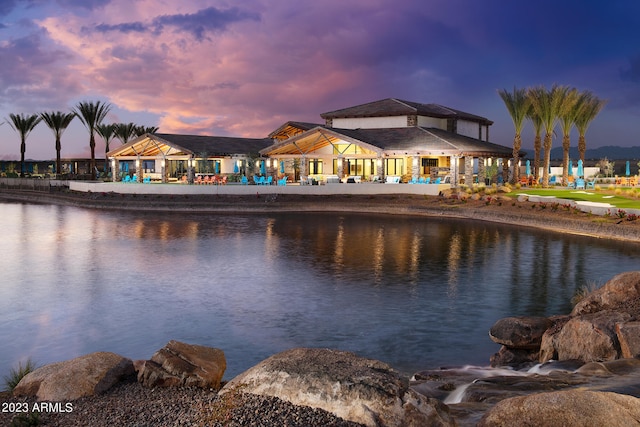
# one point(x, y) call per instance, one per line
point(149, 166)
point(394, 166)
point(315, 167)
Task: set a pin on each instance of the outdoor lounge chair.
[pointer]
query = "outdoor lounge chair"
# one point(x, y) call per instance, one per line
point(427, 180)
point(146, 180)
point(269, 180)
point(126, 178)
point(580, 184)
point(591, 184)
point(244, 180)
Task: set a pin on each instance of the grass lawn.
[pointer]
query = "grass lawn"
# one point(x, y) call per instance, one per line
point(620, 198)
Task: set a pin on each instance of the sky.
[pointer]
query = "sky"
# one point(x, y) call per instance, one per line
point(243, 68)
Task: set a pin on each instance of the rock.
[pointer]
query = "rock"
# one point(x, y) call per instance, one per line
point(615, 293)
point(514, 357)
point(520, 332)
point(588, 338)
point(565, 408)
point(629, 338)
point(356, 389)
point(180, 364)
point(549, 339)
point(87, 375)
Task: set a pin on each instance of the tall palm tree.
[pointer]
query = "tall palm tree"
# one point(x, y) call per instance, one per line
point(58, 122)
point(567, 117)
point(125, 131)
point(590, 108)
point(548, 105)
point(518, 104)
point(91, 115)
point(537, 140)
point(23, 124)
point(107, 132)
point(141, 130)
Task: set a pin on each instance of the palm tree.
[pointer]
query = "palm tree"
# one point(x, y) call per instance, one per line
point(590, 108)
point(125, 131)
point(548, 105)
point(23, 124)
point(518, 104)
point(141, 130)
point(58, 123)
point(107, 132)
point(537, 140)
point(91, 115)
point(567, 120)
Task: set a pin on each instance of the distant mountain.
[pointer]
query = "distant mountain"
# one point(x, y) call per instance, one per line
point(611, 152)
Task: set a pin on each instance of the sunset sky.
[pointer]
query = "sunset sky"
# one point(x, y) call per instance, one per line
point(244, 68)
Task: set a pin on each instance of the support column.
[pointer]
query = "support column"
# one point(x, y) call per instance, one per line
point(340, 163)
point(415, 167)
point(115, 169)
point(455, 172)
point(380, 169)
point(482, 170)
point(468, 171)
point(190, 171)
point(303, 170)
point(163, 170)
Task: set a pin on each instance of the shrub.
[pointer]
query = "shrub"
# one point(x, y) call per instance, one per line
point(16, 374)
point(621, 214)
point(583, 291)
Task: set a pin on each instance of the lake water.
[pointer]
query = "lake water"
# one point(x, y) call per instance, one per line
point(414, 292)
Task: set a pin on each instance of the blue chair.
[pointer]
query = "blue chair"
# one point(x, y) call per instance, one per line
point(437, 181)
point(244, 180)
point(421, 180)
point(269, 180)
point(552, 180)
point(282, 181)
point(261, 181)
point(126, 178)
point(413, 181)
point(256, 180)
point(427, 180)
point(146, 180)
point(134, 178)
point(580, 184)
point(591, 184)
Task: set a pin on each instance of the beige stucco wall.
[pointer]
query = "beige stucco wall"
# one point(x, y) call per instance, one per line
point(371, 122)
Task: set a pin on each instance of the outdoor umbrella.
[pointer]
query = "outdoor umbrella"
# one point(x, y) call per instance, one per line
point(580, 170)
point(628, 171)
point(281, 166)
point(263, 170)
point(235, 167)
point(216, 167)
point(570, 172)
point(528, 168)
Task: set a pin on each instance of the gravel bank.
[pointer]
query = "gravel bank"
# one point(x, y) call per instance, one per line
point(130, 404)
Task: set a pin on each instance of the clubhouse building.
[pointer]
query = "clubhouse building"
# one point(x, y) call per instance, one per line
point(382, 141)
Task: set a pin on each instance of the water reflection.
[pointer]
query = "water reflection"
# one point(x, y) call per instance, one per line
point(415, 292)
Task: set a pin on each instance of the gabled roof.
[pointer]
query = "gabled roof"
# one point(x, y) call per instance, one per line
point(410, 140)
point(397, 107)
point(290, 129)
point(172, 144)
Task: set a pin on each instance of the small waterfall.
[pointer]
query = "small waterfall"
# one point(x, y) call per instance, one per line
point(457, 395)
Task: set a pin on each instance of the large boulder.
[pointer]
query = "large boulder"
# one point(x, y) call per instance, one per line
point(181, 364)
point(588, 338)
point(618, 292)
point(356, 389)
point(565, 408)
point(629, 338)
point(87, 375)
point(520, 332)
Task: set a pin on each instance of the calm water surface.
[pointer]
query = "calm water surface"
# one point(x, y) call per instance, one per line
point(414, 292)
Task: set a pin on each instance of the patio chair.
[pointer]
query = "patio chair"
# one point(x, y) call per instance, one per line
point(256, 180)
point(243, 180)
point(579, 184)
point(261, 181)
point(206, 180)
point(427, 180)
point(134, 178)
point(183, 179)
point(437, 180)
point(126, 178)
point(269, 180)
point(146, 180)
point(414, 180)
point(591, 184)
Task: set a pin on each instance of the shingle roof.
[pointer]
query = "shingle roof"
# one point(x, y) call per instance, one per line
point(399, 107)
point(424, 140)
point(216, 145)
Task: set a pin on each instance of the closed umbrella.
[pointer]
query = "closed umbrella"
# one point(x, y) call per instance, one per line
point(628, 171)
point(281, 166)
point(570, 170)
point(528, 168)
point(263, 170)
point(216, 167)
point(580, 169)
point(235, 167)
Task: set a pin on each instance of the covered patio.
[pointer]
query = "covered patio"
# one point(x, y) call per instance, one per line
point(171, 157)
point(411, 154)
